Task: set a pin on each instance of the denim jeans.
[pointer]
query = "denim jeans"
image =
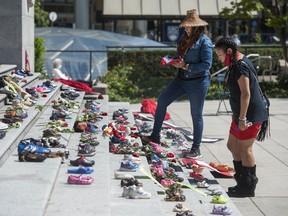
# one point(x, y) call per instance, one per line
point(196, 90)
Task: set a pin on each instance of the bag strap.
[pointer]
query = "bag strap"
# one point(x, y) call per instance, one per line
point(254, 74)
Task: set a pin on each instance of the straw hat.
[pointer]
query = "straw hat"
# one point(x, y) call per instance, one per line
point(192, 20)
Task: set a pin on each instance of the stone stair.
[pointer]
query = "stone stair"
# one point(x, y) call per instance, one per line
point(41, 188)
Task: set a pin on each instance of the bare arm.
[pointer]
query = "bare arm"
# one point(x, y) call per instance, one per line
point(243, 83)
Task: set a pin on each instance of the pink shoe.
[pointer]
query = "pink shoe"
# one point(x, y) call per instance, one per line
point(72, 179)
point(157, 147)
point(160, 171)
point(167, 182)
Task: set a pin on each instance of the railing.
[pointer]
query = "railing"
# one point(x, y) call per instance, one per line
point(256, 58)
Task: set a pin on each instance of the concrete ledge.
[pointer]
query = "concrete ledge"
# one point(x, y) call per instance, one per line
point(4, 68)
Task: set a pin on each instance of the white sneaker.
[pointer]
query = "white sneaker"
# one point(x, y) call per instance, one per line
point(3, 126)
point(126, 190)
point(138, 193)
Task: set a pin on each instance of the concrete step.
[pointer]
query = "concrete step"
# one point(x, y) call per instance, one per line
point(31, 184)
point(87, 200)
point(14, 135)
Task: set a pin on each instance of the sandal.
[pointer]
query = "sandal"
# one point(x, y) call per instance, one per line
point(84, 180)
point(221, 210)
point(81, 170)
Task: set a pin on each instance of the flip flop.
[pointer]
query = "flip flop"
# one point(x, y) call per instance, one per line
point(81, 170)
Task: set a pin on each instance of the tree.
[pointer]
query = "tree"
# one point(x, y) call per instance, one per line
point(41, 17)
point(275, 16)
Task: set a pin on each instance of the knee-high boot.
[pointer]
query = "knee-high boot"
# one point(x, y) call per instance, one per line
point(238, 168)
point(247, 183)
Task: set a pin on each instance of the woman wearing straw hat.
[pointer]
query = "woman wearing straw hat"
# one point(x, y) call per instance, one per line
point(195, 53)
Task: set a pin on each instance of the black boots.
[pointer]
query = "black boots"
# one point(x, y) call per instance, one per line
point(247, 183)
point(238, 168)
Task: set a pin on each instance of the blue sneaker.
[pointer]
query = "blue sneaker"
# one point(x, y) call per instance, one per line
point(32, 147)
point(128, 166)
point(155, 158)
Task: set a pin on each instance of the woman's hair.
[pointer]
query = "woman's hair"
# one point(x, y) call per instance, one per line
point(225, 43)
point(76, 128)
point(187, 41)
point(56, 62)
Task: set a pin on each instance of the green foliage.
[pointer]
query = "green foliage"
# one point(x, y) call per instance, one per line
point(275, 17)
point(121, 87)
point(41, 17)
point(39, 56)
point(136, 75)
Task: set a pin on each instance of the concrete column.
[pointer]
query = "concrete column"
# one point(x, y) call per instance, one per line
point(17, 32)
point(82, 14)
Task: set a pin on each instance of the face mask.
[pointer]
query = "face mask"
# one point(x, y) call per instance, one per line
point(227, 60)
point(59, 67)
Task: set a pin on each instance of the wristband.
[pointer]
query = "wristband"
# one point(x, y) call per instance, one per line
point(242, 119)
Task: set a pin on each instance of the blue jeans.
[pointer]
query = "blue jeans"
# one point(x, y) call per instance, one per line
point(196, 90)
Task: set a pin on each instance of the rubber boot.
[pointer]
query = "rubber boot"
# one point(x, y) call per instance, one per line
point(238, 168)
point(247, 183)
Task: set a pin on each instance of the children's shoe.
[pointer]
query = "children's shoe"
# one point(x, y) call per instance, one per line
point(202, 184)
point(167, 182)
point(126, 191)
point(72, 179)
point(221, 210)
point(82, 161)
point(219, 199)
point(197, 176)
point(31, 157)
point(128, 166)
point(194, 153)
point(3, 126)
point(81, 170)
point(138, 193)
point(129, 182)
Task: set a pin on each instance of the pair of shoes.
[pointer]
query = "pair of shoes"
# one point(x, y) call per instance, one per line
point(180, 208)
point(219, 199)
point(129, 157)
point(82, 161)
point(167, 182)
point(117, 114)
point(202, 184)
point(212, 192)
point(31, 157)
point(84, 180)
point(197, 176)
point(51, 133)
point(128, 166)
point(3, 126)
point(135, 192)
point(129, 182)
point(81, 170)
point(194, 153)
point(221, 210)
point(30, 145)
point(86, 150)
point(222, 167)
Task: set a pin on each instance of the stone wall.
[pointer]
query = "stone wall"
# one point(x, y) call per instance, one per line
point(17, 32)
